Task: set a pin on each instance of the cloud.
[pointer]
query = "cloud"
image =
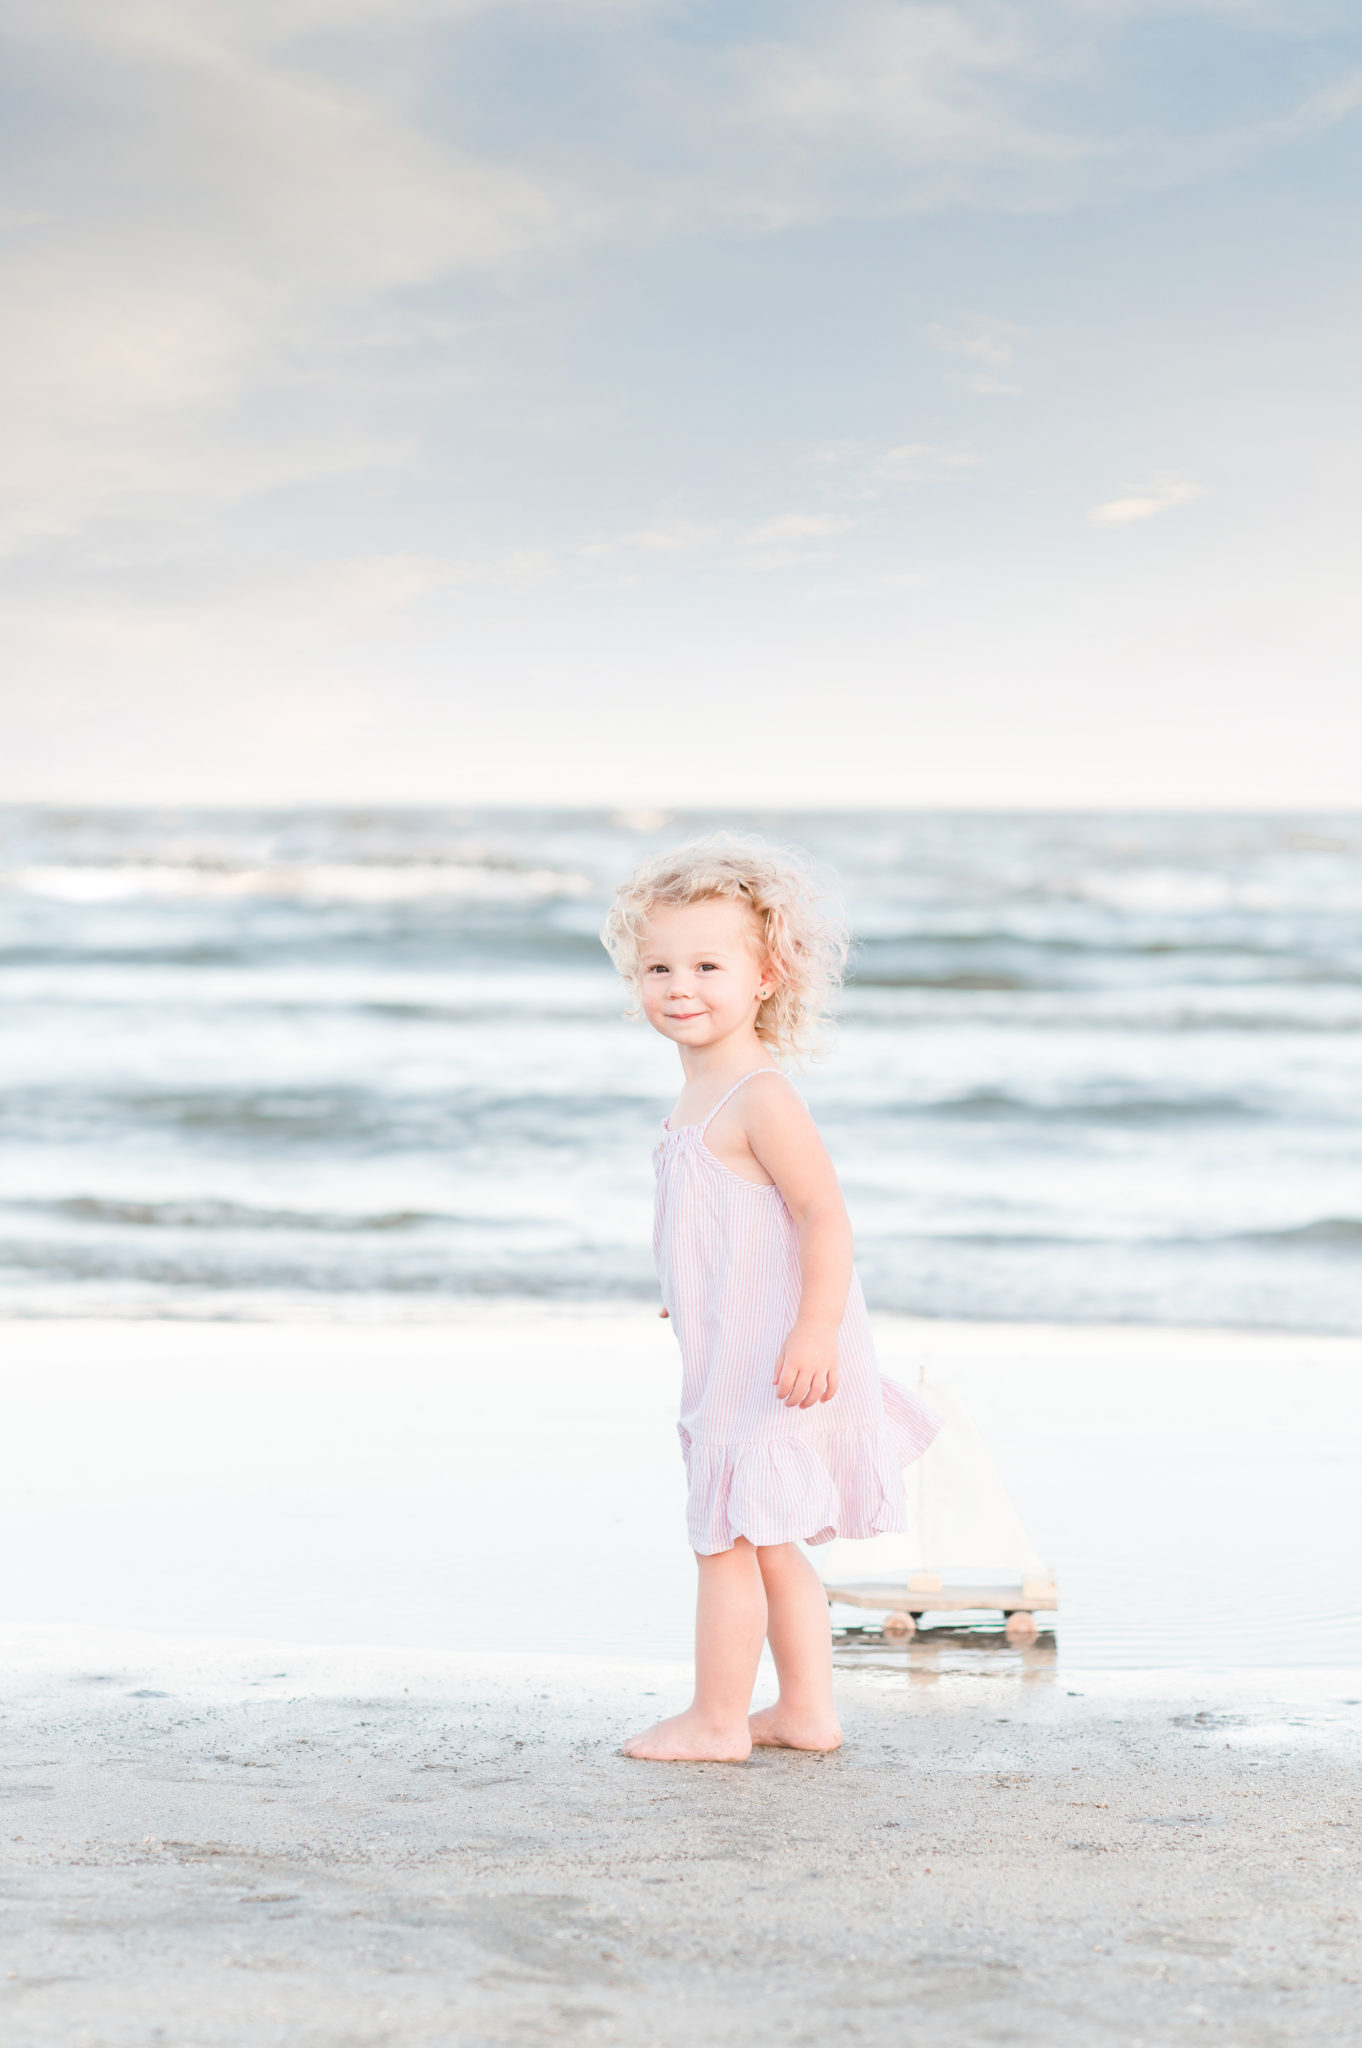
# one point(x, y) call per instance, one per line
point(1322, 109)
point(324, 596)
point(789, 539)
point(321, 600)
point(986, 341)
point(218, 209)
point(914, 462)
point(1146, 504)
point(793, 527)
point(879, 107)
point(770, 543)
point(667, 537)
point(854, 471)
point(212, 217)
point(375, 285)
point(986, 385)
point(885, 108)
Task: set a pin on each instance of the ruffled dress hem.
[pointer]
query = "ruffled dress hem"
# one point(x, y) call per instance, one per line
point(805, 1489)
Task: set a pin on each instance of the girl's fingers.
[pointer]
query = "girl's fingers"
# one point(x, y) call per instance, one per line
point(804, 1389)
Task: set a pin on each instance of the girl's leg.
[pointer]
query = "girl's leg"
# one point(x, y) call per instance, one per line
point(730, 1622)
point(801, 1643)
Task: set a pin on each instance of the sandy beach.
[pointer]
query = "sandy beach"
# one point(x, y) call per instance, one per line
point(232, 1843)
point(313, 1700)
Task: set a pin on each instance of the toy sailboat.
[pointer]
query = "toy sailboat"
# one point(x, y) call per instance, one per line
point(964, 1549)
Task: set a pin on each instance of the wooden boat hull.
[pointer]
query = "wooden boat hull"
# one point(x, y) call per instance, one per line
point(914, 1600)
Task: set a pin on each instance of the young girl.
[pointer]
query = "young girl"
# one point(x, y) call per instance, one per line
point(787, 1429)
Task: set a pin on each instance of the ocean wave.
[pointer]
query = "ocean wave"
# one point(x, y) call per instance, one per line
point(376, 1054)
point(1282, 1279)
point(316, 882)
point(350, 1123)
point(211, 1214)
point(1323, 1234)
point(215, 1214)
point(1325, 1008)
point(989, 1104)
point(358, 1124)
point(900, 958)
point(981, 983)
point(1181, 891)
point(1333, 1233)
point(444, 1272)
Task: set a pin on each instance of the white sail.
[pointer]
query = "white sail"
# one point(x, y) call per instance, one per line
point(960, 1516)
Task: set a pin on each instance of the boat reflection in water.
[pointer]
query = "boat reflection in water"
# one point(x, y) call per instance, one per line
point(981, 1650)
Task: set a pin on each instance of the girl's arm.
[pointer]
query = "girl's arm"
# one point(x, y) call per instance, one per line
point(785, 1141)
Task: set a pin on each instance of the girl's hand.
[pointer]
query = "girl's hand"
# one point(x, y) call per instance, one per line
point(807, 1371)
point(665, 1312)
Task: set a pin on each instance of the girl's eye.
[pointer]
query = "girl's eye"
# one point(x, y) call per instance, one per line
point(707, 967)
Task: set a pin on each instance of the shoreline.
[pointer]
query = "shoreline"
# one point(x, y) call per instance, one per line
point(208, 1668)
point(386, 1311)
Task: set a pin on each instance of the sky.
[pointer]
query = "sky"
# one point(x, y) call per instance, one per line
point(637, 402)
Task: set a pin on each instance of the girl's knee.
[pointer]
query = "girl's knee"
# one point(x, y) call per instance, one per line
point(781, 1557)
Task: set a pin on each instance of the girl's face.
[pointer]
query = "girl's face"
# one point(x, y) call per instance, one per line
point(703, 973)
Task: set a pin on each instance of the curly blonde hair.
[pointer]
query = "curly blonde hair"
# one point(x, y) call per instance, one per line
point(801, 933)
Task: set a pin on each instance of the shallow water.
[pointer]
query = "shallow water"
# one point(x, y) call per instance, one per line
point(340, 1063)
point(511, 1481)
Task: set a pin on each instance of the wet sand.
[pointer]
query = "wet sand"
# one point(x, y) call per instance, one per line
point(232, 1843)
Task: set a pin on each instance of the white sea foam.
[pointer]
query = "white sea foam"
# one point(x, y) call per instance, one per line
point(318, 882)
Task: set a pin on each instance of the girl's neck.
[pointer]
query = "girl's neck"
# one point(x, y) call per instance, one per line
point(738, 1054)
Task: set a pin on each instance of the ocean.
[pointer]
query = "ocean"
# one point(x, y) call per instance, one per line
point(349, 1064)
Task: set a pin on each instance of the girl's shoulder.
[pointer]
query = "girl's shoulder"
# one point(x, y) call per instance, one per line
point(764, 1104)
point(736, 1101)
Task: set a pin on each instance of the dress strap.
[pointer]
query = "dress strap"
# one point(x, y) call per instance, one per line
point(742, 1083)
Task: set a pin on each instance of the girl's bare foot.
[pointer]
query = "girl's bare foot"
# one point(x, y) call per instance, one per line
point(687, 1739)
point(777, 1728)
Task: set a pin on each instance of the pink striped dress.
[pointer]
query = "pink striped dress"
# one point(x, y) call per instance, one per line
point(728, 1264)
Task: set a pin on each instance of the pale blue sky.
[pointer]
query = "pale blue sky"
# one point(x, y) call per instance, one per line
point(626, 402)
